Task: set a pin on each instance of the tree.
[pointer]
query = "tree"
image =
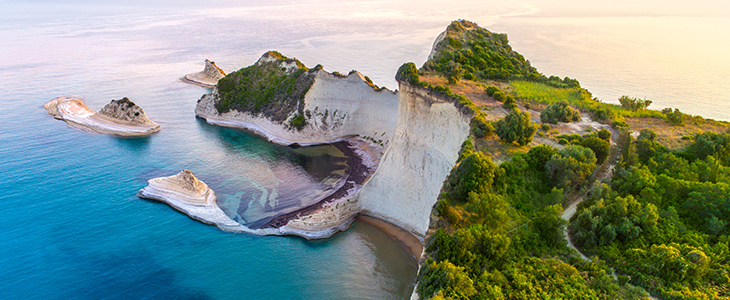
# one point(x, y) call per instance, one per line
point(516, 127)
point(634, 103)
point(559, 112)
point(539, 155)
point(445, 279)
point(550, 226)
point(474, 174)
point(570, 166)
point(599, 147)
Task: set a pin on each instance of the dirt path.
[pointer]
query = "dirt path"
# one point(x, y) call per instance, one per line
point(602, 172)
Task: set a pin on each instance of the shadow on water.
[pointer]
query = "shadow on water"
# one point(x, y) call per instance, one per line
point(320, 162)
point(128, 276)
point(302, 175)
point(136, 145)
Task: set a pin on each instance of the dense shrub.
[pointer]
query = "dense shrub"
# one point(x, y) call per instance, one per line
point(599, 147)
point(516, 127)
point(509, 103)
point(474, 174)
point(490, 90)
point(570, 166)
point(409, 73)
point(480, 126)
point(559, 112)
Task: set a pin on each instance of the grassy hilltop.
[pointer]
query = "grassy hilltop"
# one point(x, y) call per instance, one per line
point(654, 186)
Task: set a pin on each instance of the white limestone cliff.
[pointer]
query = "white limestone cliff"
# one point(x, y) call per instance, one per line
point(335, 108)
point(425, 147)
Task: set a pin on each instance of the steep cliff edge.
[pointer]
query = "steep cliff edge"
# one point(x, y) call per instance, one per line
point(207, 78)
point(428, 136)
point(119, 117)
point(291, 104)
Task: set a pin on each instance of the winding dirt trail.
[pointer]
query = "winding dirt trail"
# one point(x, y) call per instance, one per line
point(602, 172)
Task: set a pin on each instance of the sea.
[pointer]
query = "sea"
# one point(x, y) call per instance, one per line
point(71, 226)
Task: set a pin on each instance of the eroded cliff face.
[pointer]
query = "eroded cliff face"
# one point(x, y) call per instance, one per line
point(335, 108)
point(425, 146)
point(125, 110)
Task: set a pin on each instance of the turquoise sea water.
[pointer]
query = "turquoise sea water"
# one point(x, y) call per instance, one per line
point(71, 226)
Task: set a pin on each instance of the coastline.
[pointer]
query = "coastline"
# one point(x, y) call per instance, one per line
point(410, 242)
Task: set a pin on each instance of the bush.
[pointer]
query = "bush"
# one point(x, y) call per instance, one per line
point(474, 174)
point(571, 166)
point(408, 73)
point(491, 90)
point(559, 112)
point(599, 147)
point(674, 117)
point(499, 96)
point(509, 103)
point(545, 127)
point(619, 124)
point(516, 127)
point(604, 134)
point(481, 127)
point(539, 155)
point(298, 122)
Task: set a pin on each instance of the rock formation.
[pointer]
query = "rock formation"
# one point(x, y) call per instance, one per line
point(426, 145)
point(420, 131)
point(119, 117)
point(207, 78)
point(184, 192)
point(125, 110)
point(334, 107)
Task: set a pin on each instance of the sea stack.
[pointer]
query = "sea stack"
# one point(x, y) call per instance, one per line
point(120, 117)
point(183, 187)
point(207, 78)
point(186, 193)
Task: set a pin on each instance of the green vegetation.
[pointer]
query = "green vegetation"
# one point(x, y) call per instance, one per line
point(266, 88)
point(509, 103)
point(470, 51)
point(578, 98)
point(570, 166)
point(662, 220)
point(634, 103)
point(660, 224)
point(516, 127)
point(559, 112)
point(674, 117)
point(408, 73)
point(500, 236)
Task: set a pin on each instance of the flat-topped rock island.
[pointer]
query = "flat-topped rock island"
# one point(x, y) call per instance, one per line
point(120, 117)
